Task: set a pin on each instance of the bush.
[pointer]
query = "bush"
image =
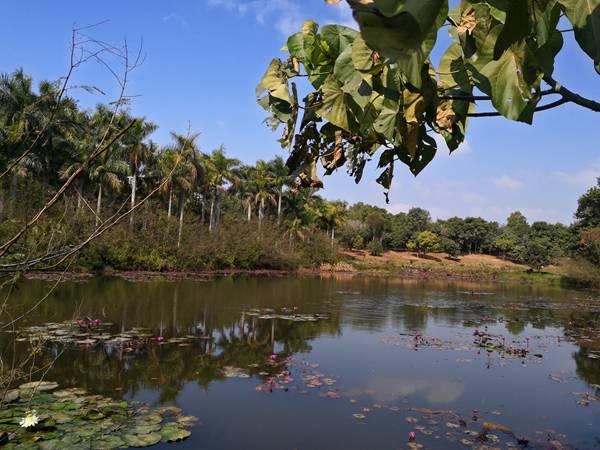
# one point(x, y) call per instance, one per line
point(538, 254)
point(375, 248)
point(451, 247)
point(358, 242)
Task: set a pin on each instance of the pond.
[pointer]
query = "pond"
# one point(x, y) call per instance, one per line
point(331, 363)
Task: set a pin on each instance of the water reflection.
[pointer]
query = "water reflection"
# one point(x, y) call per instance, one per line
point(214, 318)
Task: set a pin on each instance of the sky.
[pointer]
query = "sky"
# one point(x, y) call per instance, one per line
point(204, 58)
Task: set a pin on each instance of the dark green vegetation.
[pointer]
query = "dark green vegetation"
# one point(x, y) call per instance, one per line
point(208, 211)
point(73, 418)
point(346, 97)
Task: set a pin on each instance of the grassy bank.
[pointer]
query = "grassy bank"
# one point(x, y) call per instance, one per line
point(566, 272)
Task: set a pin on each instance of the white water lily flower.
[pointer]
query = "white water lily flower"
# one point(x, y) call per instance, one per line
point(30, 420)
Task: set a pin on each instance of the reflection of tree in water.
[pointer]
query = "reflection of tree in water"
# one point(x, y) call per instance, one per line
point(213, 309)
point(247, 343)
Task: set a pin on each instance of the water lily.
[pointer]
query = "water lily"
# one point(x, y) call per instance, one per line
point(31, 419)
point(411, 436)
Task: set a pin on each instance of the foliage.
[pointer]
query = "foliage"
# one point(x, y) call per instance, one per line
point(590, 242)
point(375, 248)
point(588, 209)
point(346, 96)
point(538, 253)
point(425, 242)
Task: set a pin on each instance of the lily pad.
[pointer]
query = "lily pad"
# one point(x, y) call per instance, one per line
point(173, 433)
point(142, 440)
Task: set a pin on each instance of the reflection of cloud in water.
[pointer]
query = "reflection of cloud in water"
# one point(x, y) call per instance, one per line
point(385, 389)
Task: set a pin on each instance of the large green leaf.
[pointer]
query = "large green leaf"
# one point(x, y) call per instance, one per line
point(545, 17)
point(337, 38)
point(275, 82)
point(513, 81)
point(412, 64)
point(404, 27)
point(335, 107)
point(516, 27)
point(585, 17)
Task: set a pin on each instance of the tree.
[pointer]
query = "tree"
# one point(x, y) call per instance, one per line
point(220, 170)
point(263, 183)
point(588, 209)
point(378, 90)
point(281, 178)
point(375, 248)
point(187, 171)
point(107, 172)
point(425, 242)
point(537, 254)
point(590, 242)
point(138, 152)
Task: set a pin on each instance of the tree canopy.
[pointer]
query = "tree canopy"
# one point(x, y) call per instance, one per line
point(346, 96)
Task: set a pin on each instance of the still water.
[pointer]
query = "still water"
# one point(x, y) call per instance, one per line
point(338, 363)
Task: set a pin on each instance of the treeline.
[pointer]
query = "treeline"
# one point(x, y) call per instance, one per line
point(209, 210)
point(535, 244)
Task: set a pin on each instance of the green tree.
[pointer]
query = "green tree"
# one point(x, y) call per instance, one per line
point(425, 242)
point(588, 208)
point(220, 170)
point(378, 92)
point(538, 253)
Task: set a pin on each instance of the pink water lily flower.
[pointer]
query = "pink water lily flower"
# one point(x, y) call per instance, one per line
point(411, 436)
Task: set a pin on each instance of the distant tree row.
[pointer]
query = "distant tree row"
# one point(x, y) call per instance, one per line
point(210, 190)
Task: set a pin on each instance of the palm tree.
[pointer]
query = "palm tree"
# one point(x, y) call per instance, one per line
point(186, 173)
point(107, 171)
point(281, 178)
point(138, 151)
point(263, 182)
point(333, 215)
point(220, 170)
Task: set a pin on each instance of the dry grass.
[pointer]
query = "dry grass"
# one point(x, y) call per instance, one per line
point(433, 260)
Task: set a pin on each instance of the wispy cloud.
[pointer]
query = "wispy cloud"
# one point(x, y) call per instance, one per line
point(585, 177)
point(508, 182)
point(285, 14)
point(177, 18)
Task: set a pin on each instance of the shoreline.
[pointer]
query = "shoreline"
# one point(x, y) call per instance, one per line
point(418, 274)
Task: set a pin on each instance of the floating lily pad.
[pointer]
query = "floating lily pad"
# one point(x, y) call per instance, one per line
point(173, 433)
point(142, 440)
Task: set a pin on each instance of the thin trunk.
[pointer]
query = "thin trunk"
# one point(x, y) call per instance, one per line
point(170, 200)
point(202, 211)
point(249, 211)
point(279, 206)
point(181, 209)
point(261, 213)
point(332, 236)
point(133, 189)
point(99, 205)
point(217, 209)
point(212, 212)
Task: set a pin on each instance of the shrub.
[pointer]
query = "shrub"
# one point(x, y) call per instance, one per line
point(375, 248)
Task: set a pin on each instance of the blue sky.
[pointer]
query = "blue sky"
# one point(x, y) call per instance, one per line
point(205, 57)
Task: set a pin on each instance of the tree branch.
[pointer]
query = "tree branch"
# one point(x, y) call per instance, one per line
point(572, 96)
point(538, 109)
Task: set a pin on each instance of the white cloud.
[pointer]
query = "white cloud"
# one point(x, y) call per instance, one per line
point(176, 17)
point(507, 182)
point(585, 177)
point(286, 14)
